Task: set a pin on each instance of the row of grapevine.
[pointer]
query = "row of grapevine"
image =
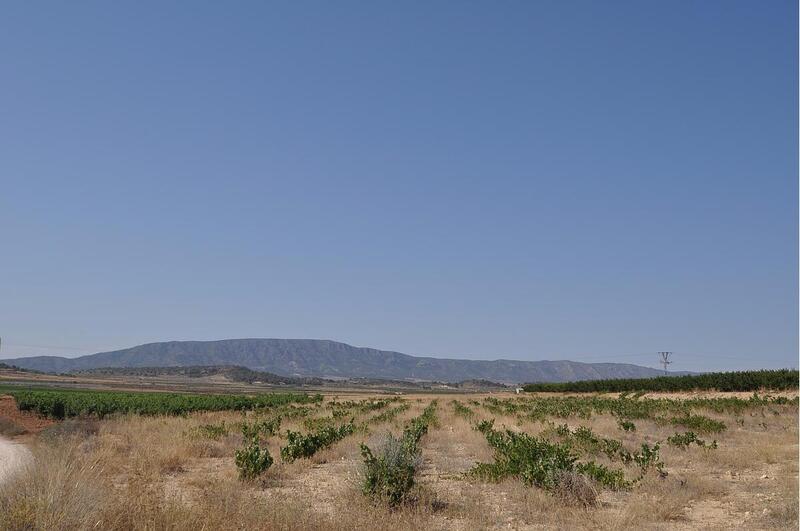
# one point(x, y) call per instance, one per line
point(323, 431)
point(305, 445)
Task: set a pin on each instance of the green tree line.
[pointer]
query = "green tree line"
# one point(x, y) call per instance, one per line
point(780, 379)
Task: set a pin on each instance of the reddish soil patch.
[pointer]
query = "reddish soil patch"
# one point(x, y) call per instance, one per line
point(25, 419)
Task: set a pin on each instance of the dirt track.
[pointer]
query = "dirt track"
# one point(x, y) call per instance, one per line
point(13, 456)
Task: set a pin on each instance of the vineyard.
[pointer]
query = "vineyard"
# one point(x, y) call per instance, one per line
point(66, 404)
point(782, 379)
point(472, 461)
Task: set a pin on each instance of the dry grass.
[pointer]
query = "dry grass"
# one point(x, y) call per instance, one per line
point(59, 489)
point(132, 472)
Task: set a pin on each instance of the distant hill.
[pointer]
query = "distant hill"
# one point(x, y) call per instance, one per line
point(230, 372)
point(330, 359)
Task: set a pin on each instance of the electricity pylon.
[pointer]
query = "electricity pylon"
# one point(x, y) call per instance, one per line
point(665, 359)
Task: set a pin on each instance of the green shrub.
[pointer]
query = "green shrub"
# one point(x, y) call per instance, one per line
point(627, 425)
point(536, 461)
point(252, 460)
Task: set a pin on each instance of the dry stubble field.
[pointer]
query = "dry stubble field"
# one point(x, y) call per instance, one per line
point(178, 472)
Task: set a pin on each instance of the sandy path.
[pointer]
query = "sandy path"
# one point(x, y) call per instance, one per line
point(13, 456)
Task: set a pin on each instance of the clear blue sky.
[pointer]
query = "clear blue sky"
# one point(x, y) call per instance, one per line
point(591, 180)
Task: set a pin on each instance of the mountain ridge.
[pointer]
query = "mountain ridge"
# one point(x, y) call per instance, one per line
point(324, 358)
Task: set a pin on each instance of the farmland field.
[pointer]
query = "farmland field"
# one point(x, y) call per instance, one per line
point(470, 461)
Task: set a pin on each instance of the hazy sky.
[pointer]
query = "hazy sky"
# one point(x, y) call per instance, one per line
point(536, 180)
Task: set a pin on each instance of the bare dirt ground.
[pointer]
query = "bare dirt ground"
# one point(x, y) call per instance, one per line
point(157, 473)
point(25, 421)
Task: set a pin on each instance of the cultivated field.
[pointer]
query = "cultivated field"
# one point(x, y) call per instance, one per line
point(473, 461)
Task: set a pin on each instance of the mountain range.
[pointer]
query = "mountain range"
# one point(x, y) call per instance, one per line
point(331, 359)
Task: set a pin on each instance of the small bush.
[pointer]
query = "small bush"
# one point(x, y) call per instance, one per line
point(389, 476)
point(389, 472)
point(252, 460)
point(575, 488)
point(627, 425)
